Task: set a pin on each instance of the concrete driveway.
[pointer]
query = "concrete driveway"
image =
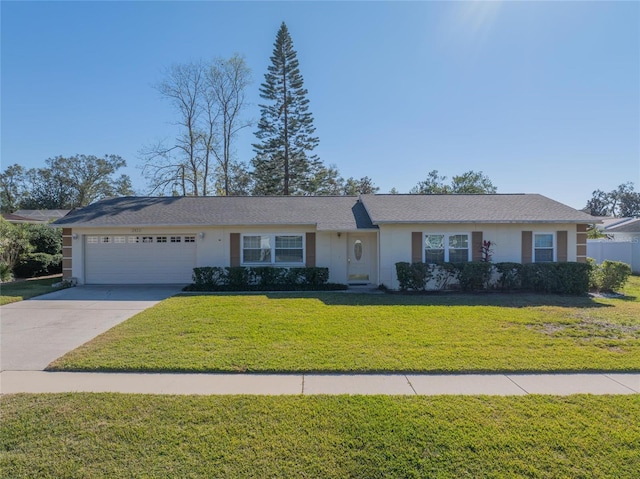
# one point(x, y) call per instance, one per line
point(37, 331)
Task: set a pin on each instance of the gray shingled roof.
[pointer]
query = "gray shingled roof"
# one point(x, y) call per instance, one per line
point(629, 226)
point(332, 213)
point(499, 208)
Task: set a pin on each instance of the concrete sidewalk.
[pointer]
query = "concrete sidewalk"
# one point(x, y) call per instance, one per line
point(308, 384)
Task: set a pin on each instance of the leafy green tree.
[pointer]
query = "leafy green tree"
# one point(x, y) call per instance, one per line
point(70, 182)
point(622, 202)
point(363, 186)
point(432, 185)
point(14, 242)
point(44, 238)
point(470, 182)
point(13, 188)
point(284, 163)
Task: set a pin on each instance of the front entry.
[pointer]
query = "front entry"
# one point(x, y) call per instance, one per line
point(358, 258)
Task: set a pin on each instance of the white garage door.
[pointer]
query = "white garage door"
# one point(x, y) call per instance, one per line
point(141, 259)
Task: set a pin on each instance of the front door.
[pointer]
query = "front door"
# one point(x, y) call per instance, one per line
point(358, 258)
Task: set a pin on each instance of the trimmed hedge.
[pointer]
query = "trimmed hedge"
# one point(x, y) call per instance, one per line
point(261, 278)
point(561, 278)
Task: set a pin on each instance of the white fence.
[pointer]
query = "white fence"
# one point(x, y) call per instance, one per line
point(625, 251)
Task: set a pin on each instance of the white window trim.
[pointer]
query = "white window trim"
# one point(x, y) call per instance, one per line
point(446, 243)
point(272, 240)
point(554, 247)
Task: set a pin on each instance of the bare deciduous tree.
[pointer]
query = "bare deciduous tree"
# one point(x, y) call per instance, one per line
point(209, 98)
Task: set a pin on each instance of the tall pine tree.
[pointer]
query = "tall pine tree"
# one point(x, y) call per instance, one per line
point(284, 163)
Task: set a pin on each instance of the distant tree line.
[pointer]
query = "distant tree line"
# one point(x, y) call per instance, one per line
point(64, 183)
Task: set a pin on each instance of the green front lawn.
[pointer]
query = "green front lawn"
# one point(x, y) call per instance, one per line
point(336, 332)
point(20, 290)
point(118, 436)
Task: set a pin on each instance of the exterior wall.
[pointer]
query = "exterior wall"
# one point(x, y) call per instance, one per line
point(395, 242)
point(213, 249)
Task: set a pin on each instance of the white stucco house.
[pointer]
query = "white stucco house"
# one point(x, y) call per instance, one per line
point(360, 239)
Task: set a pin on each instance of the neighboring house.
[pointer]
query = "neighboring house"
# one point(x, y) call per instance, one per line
point(34, 216)
point(621, 244)
point(160, 240)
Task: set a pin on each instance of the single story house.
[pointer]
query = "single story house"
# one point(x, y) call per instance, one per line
point(360, 239)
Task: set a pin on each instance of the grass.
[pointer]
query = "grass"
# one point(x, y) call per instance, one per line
point(337, 332)
point(117, 435)
point(21, 290)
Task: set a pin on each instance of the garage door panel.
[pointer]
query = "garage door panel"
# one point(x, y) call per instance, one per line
point(130, 262)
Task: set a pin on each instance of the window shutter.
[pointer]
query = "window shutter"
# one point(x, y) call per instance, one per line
point(234, 252)
point(527, 246)
point(416, 247)
point(311, 250)
point(562, 253)
point(476, 245)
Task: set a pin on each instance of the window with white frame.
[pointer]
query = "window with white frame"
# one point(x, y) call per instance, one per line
point(119, 239)
point(189, 239)
point(272, 249)
point(161, 239)
point(441, 248)
point(289, 249)
point(176, 239)
point(543, 247)
point(92, 239)
point(105, 239)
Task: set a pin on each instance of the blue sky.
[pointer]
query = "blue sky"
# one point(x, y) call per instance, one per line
point(542, 96)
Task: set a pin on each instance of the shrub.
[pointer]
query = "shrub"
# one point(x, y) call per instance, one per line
point(5, 272)
point(563, 278)
point(510, 275)
point(403, 272)
point(38, 264)
point(444, 274)
point(261, 278)
point(265, 275)
point(572, 278)
point(209, 276)
point(610, 276)
point(239, 276)
point(473, 276)
point(44, 239)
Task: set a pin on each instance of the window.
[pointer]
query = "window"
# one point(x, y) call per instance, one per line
point(161, 239)
point(441, 248)
point(134, 239)
point(119, 239)
point(543, 247)
point(147, 239)
point(256, 249)
point(92, 239)
point(189, 239)
point(105, 239)
point(289, 249)
point(434, 249)
point(270, 249)
point(176, 239)
point(458, 248)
